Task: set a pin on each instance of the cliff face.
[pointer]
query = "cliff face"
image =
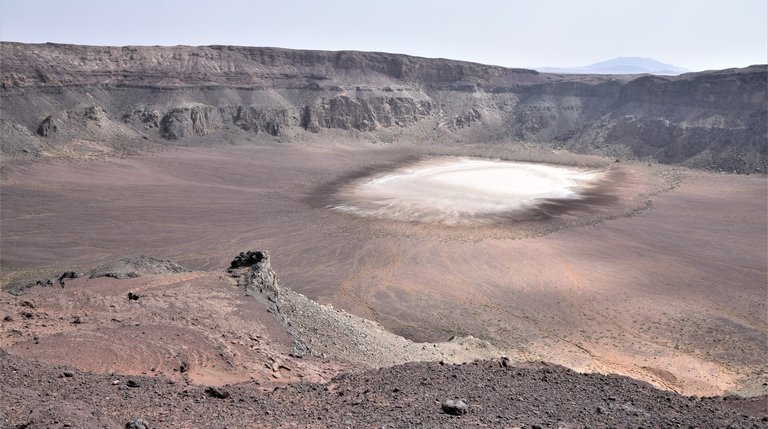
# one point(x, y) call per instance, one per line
point(52, 93)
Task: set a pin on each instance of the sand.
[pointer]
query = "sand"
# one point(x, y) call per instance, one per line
point(666, 286)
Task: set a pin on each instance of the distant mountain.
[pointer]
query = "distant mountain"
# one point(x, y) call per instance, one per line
point(621, 65)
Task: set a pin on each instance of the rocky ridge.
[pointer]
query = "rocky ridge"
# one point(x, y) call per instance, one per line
point(323, 331)
point(53, 94)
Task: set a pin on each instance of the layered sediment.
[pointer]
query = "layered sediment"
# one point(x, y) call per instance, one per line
point(53, 94)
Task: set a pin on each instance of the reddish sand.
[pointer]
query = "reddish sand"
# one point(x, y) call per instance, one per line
point(674, 294)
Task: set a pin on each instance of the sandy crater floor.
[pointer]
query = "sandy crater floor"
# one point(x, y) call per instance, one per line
point(658, 273)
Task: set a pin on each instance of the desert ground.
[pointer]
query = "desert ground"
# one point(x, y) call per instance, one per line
point(661, 277)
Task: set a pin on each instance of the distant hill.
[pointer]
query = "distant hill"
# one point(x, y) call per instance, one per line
point(622, 65)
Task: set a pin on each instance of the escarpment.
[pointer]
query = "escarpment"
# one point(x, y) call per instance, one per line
point(52, 94)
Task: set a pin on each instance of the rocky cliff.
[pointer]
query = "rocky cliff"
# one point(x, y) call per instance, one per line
point(51, 94)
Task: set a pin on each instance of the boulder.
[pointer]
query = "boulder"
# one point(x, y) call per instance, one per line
point(48, 127)
point(454, 407)
point(137, 424)
point(217, 392)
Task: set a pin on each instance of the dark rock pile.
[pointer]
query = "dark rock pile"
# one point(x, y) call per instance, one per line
point(35, 395)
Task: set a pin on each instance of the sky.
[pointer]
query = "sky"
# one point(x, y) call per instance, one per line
point(695, 34)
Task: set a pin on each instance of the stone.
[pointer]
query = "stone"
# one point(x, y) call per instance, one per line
point(137, 424)
point(48, 127)
point(249, 258)
point(217, 392)
point(67, 275)
point(454, 407)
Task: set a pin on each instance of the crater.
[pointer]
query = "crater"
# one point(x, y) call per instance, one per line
point(464, 191)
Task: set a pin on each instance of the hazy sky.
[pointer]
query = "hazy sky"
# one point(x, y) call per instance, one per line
point(697, 34)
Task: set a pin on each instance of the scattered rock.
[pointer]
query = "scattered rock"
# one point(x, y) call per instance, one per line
point(132, 382)
point(454, 407)
point(137, 424)
point(217, 392)
point(43, 283)
point(132, 296)
point(68, 275)
point(68, 374)
point(8, 319)
point(183, 366)
point(505, 362)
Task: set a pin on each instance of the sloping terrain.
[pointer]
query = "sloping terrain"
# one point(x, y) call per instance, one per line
point(40, 395)
point(65, 101)
point(227, 360)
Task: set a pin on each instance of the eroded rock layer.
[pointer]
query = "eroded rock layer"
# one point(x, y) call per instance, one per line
point(55, 93)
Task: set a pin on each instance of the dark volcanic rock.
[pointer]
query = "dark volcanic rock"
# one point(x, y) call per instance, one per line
point(48, 127)
point(217, 392)
point(387, 397)
point(249, 258)
point(135, 267)
point(68, 275)
point(259, 277)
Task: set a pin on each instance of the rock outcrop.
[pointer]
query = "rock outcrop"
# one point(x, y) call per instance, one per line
point(321, 330)
point(136, 267)
point(715, 120)
point(48, 127)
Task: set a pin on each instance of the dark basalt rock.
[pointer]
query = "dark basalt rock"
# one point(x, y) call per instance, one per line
point(249, 258)
point(68, 275)
point(48, 127)
point(217, 392)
